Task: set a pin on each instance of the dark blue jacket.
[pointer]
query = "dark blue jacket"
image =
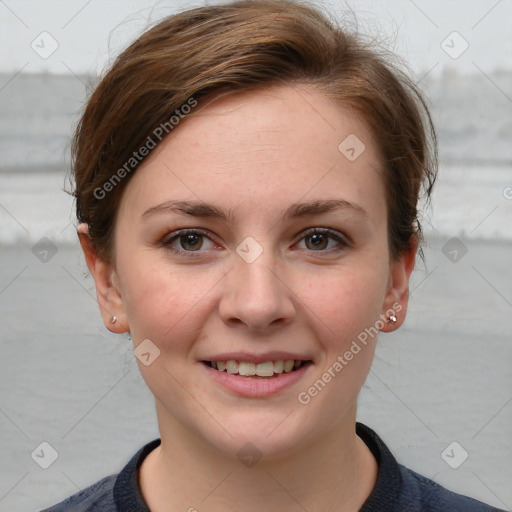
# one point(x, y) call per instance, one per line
point(398, 489)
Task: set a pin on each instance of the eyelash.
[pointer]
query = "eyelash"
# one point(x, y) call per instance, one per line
point(168, 240)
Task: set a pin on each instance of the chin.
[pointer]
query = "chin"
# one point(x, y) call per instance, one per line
point(265, 435)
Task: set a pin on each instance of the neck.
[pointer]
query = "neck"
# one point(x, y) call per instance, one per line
point(335, 473)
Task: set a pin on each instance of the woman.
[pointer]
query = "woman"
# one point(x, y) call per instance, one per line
point(247, 178)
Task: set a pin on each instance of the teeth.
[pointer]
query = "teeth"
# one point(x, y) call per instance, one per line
point(232, 366)
point(288, 365)
point(246, 368)
point(266, 369)
point(278, 366)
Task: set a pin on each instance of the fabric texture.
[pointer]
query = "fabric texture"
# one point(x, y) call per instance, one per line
point(398, 489)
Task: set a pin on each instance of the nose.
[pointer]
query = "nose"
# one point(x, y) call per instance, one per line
point(257, 295)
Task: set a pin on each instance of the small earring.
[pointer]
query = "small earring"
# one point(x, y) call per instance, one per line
point(113, 320)
point(392, 319)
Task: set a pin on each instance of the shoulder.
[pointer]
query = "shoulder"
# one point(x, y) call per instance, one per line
point(98, 497)
point(400, 489)
point(432, 497)
point(114, 493)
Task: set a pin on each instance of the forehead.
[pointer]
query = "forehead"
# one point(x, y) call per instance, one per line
point(257, 149)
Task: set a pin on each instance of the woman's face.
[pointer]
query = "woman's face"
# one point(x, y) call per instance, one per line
point(285, 257)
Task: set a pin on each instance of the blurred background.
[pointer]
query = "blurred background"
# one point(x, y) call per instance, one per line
point(440, 391)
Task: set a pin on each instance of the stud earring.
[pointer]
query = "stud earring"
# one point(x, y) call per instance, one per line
point(392, 319)
point(113, 320)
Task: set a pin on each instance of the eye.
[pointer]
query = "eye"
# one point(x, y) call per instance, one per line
point(187, 241)
point(320, 239)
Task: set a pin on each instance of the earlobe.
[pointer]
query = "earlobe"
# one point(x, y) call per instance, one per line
point(108, 294)
point(397, 295)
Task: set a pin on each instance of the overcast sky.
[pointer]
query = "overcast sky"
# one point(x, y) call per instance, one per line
point(82, 35)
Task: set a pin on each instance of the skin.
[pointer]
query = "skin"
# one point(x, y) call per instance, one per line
point(254, 154)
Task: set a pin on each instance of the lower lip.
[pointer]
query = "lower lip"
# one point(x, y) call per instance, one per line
point(255, 387)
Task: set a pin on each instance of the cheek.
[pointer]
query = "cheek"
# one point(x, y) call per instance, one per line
point(345, 302)
point(162, 303)
point(346, 307)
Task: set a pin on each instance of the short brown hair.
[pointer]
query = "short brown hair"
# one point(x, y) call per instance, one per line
point(243, 45)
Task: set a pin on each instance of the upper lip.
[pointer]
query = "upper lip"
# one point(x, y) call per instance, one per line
point(256, 358)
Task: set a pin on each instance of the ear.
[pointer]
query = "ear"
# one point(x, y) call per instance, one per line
point(105, 278)
point(397, 295)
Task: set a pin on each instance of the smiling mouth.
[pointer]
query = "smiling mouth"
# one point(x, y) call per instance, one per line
point(268, 369)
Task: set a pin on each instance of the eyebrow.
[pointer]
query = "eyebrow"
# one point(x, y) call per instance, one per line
point(296, 210)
